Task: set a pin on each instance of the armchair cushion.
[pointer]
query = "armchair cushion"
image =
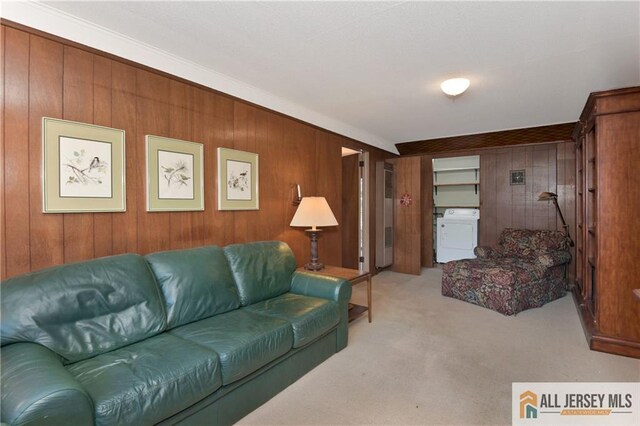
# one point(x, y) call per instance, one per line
point(529, 243)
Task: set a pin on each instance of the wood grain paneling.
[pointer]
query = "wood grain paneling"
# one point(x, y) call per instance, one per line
point(152, 116)
point(407, 242)
point(124, 89)
point(16, 169)
point(77, 105)
point(47, 76)
point(349, 223)
point(329, 183)
point(548, 167)
point(529, 135)
point(503, 205)
point(427, 211)
point(46, 231)
point(102, 96)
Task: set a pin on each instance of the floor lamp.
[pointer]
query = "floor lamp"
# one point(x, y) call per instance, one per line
point(550, 196)
point(314, 212)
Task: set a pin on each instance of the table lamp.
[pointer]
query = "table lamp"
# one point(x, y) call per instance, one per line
point(314, 212)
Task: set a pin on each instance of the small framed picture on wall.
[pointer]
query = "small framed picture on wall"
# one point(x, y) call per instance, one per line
point(83, 167)
point(237, 180)
point(517, 177)
point(175, 175)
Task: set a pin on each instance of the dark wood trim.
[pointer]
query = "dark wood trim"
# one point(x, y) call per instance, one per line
point(590, 107)
point(352, 143)
point(529, 135)
point(597, 341)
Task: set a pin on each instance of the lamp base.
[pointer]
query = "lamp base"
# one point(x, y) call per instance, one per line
point(314, 266)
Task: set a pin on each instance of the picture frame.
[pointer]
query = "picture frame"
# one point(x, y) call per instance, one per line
point(517, 177)
point(83, 167)
point(175, 174)
point(238, 180)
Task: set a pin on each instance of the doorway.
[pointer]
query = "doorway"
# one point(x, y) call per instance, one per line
point(355, 211)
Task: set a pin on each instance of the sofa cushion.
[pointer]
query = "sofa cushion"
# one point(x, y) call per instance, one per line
point(310, 317)
point(148, 381)
point(261, 270)
point(196, 283)
point(83, 309)
point(244, 341)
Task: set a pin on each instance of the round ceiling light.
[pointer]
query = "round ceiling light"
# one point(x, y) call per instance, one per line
point(454, 86)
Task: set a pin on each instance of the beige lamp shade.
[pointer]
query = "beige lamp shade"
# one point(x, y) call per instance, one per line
point(314, 211)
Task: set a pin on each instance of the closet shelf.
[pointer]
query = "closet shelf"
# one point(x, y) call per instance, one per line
point(456, 184)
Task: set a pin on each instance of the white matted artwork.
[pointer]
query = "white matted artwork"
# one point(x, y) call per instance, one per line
point(175, 174)
point(83, 167)
point(237, 180)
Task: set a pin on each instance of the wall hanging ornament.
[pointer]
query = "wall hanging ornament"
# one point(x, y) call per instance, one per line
point(406, 200)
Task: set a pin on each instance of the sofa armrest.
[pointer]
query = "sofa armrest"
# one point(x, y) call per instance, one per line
point(315, 285)
point(336, 289)
point(486, 252)
point(37, 389)
point(553, 258)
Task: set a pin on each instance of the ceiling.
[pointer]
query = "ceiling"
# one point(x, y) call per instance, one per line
point(371, 70)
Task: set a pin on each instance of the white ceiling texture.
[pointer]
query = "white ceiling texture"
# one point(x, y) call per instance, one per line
point(371, 70)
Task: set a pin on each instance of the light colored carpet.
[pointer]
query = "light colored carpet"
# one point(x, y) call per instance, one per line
point(429, 359)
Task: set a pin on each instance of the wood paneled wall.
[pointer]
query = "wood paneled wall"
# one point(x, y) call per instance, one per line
point(548, 167)
point(46, 76)
point(407, 221)
point(516, 206)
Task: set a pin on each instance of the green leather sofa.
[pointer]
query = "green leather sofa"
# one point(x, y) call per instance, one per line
point(198, 336)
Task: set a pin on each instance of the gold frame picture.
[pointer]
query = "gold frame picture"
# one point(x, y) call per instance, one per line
point(83, 167)
point(237, 180)
point(175, 175)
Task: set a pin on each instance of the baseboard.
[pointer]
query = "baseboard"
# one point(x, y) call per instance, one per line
point(598, 341)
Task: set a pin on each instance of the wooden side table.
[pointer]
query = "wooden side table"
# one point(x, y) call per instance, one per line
point(354, 276)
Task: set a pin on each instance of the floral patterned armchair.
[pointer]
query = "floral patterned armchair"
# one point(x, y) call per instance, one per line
point(525, 271)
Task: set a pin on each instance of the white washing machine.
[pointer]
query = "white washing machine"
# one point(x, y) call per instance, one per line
point(457, 234)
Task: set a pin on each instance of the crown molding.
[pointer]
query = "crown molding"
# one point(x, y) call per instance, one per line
point(45, 18)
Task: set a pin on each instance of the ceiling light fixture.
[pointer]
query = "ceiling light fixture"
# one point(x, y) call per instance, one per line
point(454, 86)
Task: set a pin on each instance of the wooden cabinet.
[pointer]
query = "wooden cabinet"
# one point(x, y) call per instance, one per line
point(608, 220)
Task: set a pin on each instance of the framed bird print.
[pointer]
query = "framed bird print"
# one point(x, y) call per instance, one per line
point(175, 175)
point(237, 180)
point(83, 167)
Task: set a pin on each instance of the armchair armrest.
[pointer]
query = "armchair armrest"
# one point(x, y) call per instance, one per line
point(486, 252)
point(37, 389)
point(553, 258)
point(336, 289)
